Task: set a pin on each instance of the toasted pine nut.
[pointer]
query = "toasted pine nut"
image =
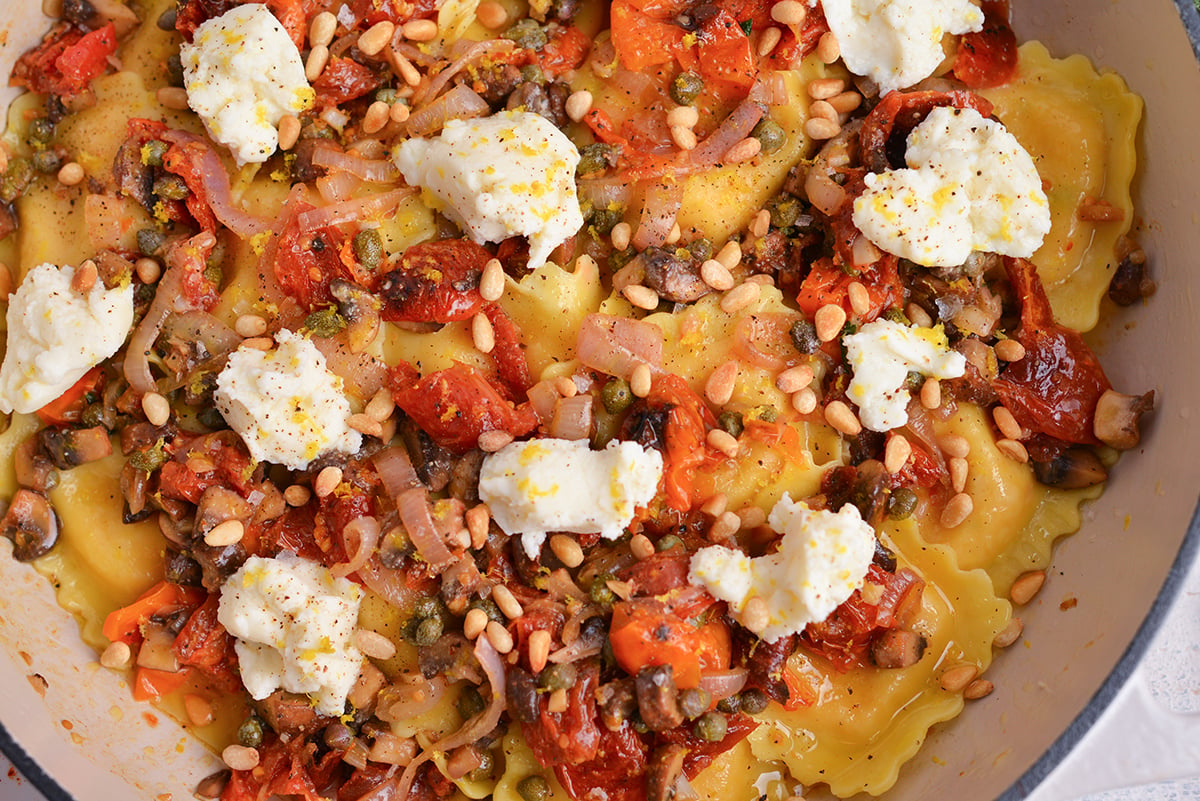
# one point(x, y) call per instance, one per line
point(918, 316)
point(558, 702)
point(172, 97)
point(821, 129)
point(374, 644)
point(752, 517)
point(250, 325)
point(365, 424)
point(1027, 586)
point(398, 111)
point(755, 615)
point(1013, 449)
point(740, 297)
point(819, 109)
point(318, 57)
point(297, 495)
point(955, 445)
point(978, 689)
point(327, 481)
point(289, 131)
point(640, 381)
point(845, 102)
point(1009, 350)
point(789, 12)
point(724, 527)
point(478, 518)
point(499, 637)
point(715, 506)
point(539, 649)
point(420, 30)
point(381, 405)
point(375, 38)
point(931, 393)
point(322, 29)
point(620, 235)
point(684, 138)
point(565, 386)
point(829, 321)
point(958, 473)
point(720, 384)
point(493, 440)
point(687, 116)
point(955, 679)
point(239, 757)
point(896, 453)
point(507, 602)
point(85, 277)
point(228, 532)
point(840, 416)
point(491, 282)
point(641, 547)
point(71, 173)
point(643, 297)
point(474, 623)
point(860, 299)
point(713, 273)
point(578, 104)
point(157, 408)
point(1010, 634)
point(482, 333)
point(378, 114)
point(116, 656)
point(828, 49)
point(794, 379)
point(730, 254)
point(744, 150)
point(723, 441)
point(768, 41)
point(825, 88)
point(491, 15)
point(148, 270)
point(804, 401)
point(957, 510)
point(567, 550)
point(1007, 424)
point(760, 223)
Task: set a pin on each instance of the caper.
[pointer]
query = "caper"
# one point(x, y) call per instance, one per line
point(368, 249)
point(428, 631)
point(532, 73)
point(149, 241)
point(784, 212)
point(174, 70)
point(768, 414)
point(619, 258)
point(489, 608)
point(711, 726)
point(804, 336)
point(596, 157)
point(603, 221)
point(150, 459)
point(599, 591)
point(616, 395)
point(731, 423)
point(668, 542)
point(896, 315)
point(171, 187)
point(213, 273)
point(730, 705)
point(901, 503)
point(41, 130)
point(325, 322)
point(386, 95)
point(686, 87)
point(534, 788)
point(769, 134)
point(470, 703)
point(426, 606)
point(210, 417)
point(153, 152)
point(93, 415)
point(18, 175)
point(487, 764)
point(754, 701)
point(694, 702)
point(527, 34)
point(560, 676)
point(46, 161)
point(166, 20)
point(913, 381)
point(250, 733)
point(700, 249)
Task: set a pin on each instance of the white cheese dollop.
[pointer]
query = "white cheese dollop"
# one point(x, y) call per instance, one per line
point(548, 485)
point(243, 74)
point(882, 354)
point(293, 622)
point(897, 43)
point(56, 334)
point(285, 404)
point(822, 559)
point(970, 186)
point(511, 174)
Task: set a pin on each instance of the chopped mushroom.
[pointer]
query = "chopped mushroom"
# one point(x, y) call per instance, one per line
point(897, 648)
point(1074, 468)
point(663, 771)
point(1117, 418)
point(31, 524)
point(657, 697)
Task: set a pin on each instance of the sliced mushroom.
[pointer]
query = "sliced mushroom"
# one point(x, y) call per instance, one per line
point(617, 703)
point(1074, 468)
point(673, 278)
point(1117, 418)
point(217, 505)
point(897, 648)
point(290, 714)
point(657, 697)
point(74, 446)
point(663, 771)
point(361, 310)
point(31, 524)
point(33, 469)
point(522, 695)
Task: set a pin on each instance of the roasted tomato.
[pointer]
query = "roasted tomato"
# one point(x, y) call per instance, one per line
point(616, 771)
point(435, 282)
point(644, 632)
point(988, 57)
point(844, 638)
point(827, 284)
point(572, 736)
point(344, 80)
point(67, 60)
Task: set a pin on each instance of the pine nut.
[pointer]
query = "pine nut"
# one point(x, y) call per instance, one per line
point(1027, 586)
point(684, 138)
point(829, 321)
point(752, 517)
point(760, 224)
point(403, 67)
point(507, 602)
point(845, 102)
point(491, 15)
point(229, 532)
point(821, 129)
point(740, 297)
point(327, 481)
point(558, 702)
point(896, 453)
point(640, 381)
point(482, 333)
point(1013, 449)
point(366, 425)
point(957, 678)
point(491, 282)
point(723, 441)
point(840, 416)
point(85, 277)
point(539, 649)
point(620, 235)
point(1007, 424)
point(565, 386)
point(250, 325)
point(720, 384)
point(744, 150)
point(116, 656)
point(239, 757)
point(1009, 350)
point(381, 406)
point(828, 49)
point(716, 505)
point(931, 393)
point(375, 38)
point(148, 270)
point(478, 520)
point(805, 401)
point(918, 316)
point(374, 644)
point(768, 41)
point(578, 104)
point(819, 109)
point(789, 12)
point(499, 637)
point(474, 623)
point(724, 527)
point(643, 297)
point(958, 473)
point(955, 445)
point(730, 255)
point(755, 615)
point(685, 116)
point(322, 29)
point(318, 57)
point(825, 88)
point(398, 111)
point(156, 408)
point(978, 689)
point(1010, 634)
point(494, 440)
point(794, 379)
point(172, 97)
point(713, 273)
point(377, 116)
point(70, 174)
point(420, 30)
point(297, 495)
point(289, 131)
point(567, 550)
point(641, 547)
point(860, 299)
point(957, 510)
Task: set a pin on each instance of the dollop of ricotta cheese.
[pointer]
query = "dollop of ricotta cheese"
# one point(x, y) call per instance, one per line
point(822, 559)
point(897, 43)
point(969, 186)
point(882, 354)
point(545, 485)
point(55, 335)
point(243, 74)
point(511, 174)
point(293, 621)
point(285, 404)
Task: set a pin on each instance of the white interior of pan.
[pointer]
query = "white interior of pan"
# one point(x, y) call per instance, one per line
point(77, 724)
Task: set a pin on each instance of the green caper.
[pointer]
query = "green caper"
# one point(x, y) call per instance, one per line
point(428, 631)
point(700, 250)
point(603, 221)
point(913, 381)
point(250, 733)
point(768, 414)
point(368, 249)
point(595, 158)
point(616, 395)
point(694, 702)
point(18, 175)
point(46, 161)
point(153, 151)
point(754, 701)
point(41, 130)
point(213, 273)
point(470, 703)
point(93, 415)
point(171, 187)
point(686, 87)
point(427, 606)
point(896, 315)
point(668, 542)
point(149, 241)
point(558, 677)
point(901, 503)
point(730, 705)
point(711, 726)
point(785, 210)
point(731, 423)
point(150, 459)
point(599, 591)
point(174, 70)
point(532, 73)
point(534, 788)
point(487, 764)
point(386, 95)
point(166, 20)
point(489, 608)
point(804, 336)
point(769, 134)
point(527, 34)
point(325, 322)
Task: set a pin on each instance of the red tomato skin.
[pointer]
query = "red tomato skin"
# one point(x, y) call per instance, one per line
point(988, 57)
point(435, 282)
point(571, 737)
point(344, 80)
point(67, 60)
point(617, 770)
